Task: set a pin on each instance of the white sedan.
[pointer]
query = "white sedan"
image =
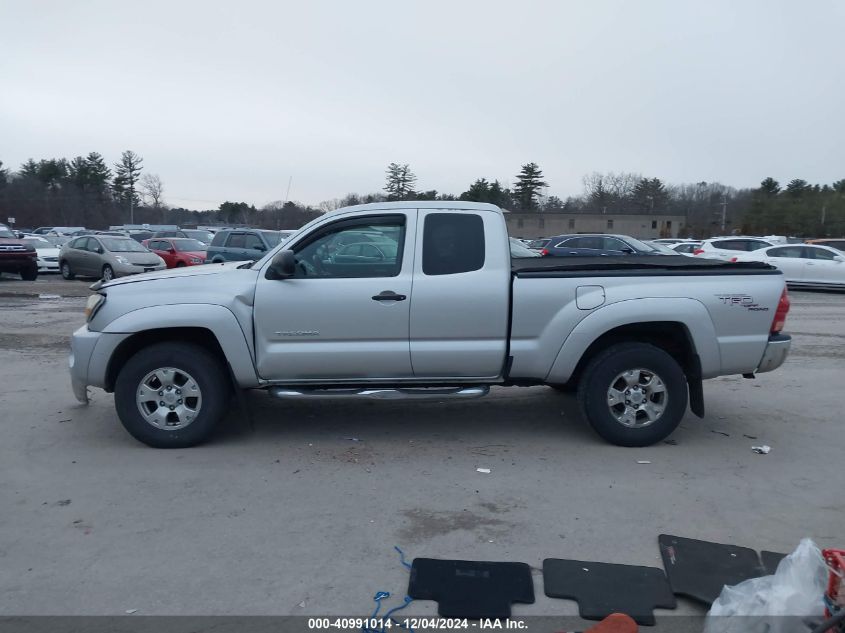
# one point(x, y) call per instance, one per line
point(46, 253)
point(803, 264)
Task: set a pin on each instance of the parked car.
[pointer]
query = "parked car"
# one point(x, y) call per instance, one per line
point(727, 247)
point(667, 240)
point(592, 245)
point(660, 248)
point(106, 257)
point(686, 248)
point(56, 240)
point(46, 253)
point(520, 250)
point(808, 265)
point(238, 245)
point(16, 256)
point(42, 230)
point(177, 251)
point(140, 235)
point(67, 230)
point(838, 244)
point(447, 316)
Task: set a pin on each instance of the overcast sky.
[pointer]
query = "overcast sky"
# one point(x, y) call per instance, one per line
point(228, 100)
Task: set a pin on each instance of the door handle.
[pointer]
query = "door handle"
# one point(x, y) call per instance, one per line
point(388, 295)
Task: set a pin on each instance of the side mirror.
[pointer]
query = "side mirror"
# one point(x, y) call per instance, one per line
point(283, 266)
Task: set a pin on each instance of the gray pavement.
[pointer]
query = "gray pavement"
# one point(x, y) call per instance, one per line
point(294, 517)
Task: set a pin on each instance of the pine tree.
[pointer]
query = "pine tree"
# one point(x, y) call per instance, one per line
point(650, 194)
point(400, 181)
point(127, 172)
point(529, 182)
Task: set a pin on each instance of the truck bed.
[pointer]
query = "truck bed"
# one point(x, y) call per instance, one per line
point(637, 265)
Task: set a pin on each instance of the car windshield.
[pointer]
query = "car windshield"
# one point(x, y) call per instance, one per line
point(186, 245)
point(538, 243)
point(662, 248)
point(519, 250)
point(57, 240)
point(197, 234)
point(7, 233)
point(37, 242)
point(273, 237)
point(122, 245)
point(640, 246)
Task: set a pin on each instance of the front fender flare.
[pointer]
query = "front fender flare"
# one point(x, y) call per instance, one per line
point(220, 321)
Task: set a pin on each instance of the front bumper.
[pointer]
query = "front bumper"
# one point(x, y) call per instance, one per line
point(122, 270)
point(82, 345)
point(777, 349)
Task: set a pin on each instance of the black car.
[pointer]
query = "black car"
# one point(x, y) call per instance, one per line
point(592, 245)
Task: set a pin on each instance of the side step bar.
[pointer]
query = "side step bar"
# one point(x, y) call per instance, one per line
point(409, 393)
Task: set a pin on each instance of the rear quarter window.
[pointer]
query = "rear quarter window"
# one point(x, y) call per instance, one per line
point(219, 238)
point(452, 243)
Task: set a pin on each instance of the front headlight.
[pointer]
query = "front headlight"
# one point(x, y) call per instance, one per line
point(121, 259)
point(94, 303)
point(196, 260)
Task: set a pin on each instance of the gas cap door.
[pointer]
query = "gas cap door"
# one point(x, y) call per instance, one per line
point(589, 297)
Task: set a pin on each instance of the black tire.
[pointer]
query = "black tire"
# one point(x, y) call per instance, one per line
point(67, 273)
point(108, 273)
point(180, 264)
point(205, 368)
point(29, 274)
point(599, 377)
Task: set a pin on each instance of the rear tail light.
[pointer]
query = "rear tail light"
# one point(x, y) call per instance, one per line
point(698, 251)
point(780, 314)
point(544, 252)
point(733, 259)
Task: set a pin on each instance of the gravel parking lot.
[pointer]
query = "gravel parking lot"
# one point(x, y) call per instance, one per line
point(300, 514)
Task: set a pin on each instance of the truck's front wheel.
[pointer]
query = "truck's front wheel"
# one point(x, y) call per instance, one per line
point(171, 395)
point(633, 394)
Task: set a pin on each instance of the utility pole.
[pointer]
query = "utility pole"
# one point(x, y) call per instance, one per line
point(824, 210)
point(724, 204)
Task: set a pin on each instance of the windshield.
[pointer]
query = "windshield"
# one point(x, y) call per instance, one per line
point(538, 243)
point(662, 248)
point(198, 234)
point(37, 242)
point(519, 250)
point(640, 246)
point(273, 237)
point(6, 233)
point(186, 245)
point(122, 245)
point(57, 240)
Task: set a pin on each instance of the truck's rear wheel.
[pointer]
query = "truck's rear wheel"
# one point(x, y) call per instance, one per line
point(633, 394)
point(171, 395)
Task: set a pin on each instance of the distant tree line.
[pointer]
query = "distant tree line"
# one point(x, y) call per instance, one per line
point(85, 191)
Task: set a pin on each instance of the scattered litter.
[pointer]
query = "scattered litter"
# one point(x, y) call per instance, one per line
point(301, 605)
point(63, 502)
point(720, 432)
point(353, 439)
point(671, 442)
point(131, 611)
point(486, 471)
point(68, 420)
point(585, 569)
point(490, 541)
point(761, 450)
point(643, 461)
point(750, 437)
point(49, 296)
point(296, 471)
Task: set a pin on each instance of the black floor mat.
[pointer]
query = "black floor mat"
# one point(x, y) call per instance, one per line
point(603, 588)
point(471, 589)
point(771, 560)
point(699, 569)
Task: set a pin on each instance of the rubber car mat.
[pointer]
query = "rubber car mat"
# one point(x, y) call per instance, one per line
point(604, 588)
point(699, 569)
point(471, 589)
point(770, 561)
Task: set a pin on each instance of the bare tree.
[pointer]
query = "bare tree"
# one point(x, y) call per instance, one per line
point(153, 190)
point(331, 205)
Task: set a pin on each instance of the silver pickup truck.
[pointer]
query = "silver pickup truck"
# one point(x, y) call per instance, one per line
point(422, 300)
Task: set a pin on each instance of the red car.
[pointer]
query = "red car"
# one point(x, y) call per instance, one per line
point(177, 251)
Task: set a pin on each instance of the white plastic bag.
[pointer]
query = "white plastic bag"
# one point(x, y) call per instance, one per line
point(761, 604)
